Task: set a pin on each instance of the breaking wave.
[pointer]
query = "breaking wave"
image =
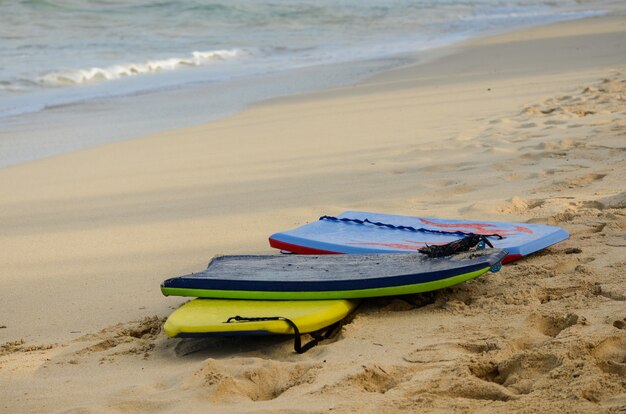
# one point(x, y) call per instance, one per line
point(95, 74)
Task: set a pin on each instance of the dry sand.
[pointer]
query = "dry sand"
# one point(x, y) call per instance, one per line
point(527, 126)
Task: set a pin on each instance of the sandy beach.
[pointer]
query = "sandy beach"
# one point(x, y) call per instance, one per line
point(527, 126)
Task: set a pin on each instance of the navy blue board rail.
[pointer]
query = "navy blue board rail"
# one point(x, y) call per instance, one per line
point(306, 277)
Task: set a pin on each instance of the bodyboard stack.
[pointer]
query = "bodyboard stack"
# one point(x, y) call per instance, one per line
point(311, 293)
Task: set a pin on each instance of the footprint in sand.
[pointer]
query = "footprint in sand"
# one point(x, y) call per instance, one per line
point(584, 180)
point(137, 337)
point(447, 352)
point(617, 201)
point(551, 325)
point(371, 378)
point(546, 295)
point(464, 382)
point(605, 97)
point(519, 372)
point(609, 293)
point(610, 355)
point(252, 379)
point(520, 205)
point(377, 379)
point(222, 382)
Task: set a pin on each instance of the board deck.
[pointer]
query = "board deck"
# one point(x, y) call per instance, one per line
point(293, 277)
point(207, 317)
point(331, 236)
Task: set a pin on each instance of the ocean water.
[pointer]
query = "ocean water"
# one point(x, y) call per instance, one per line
point(79, 73)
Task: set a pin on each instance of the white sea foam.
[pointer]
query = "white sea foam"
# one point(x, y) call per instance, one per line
point(95, 74)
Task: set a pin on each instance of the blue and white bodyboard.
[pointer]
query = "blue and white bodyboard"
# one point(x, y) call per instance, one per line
point(363, 232)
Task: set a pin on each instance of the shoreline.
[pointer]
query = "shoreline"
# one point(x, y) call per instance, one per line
point(100, 121)
point(523, 126)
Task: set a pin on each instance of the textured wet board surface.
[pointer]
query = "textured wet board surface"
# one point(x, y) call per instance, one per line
point(331, 272)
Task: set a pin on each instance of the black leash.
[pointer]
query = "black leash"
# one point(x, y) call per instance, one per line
point(297, 345)
point(405, 228)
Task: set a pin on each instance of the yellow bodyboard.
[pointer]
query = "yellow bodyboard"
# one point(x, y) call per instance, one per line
point(210, 316)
